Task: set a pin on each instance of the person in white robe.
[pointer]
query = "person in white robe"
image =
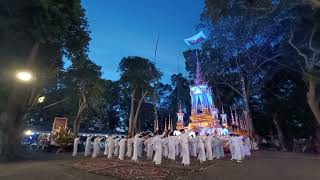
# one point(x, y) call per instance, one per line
point(193, 151)
point(254, 145)
point(184, 147)
point(75, 146)
point(241, 143)
point(220, 147)
point(165, 150)
point(116, 146)
point(246, 146)
point(87, 150)
point(140, 146)
point(96, 147)
point(231, 146)
point(129, 147)
point(106, 150)
point(122, 148)
point(208, 147)
point(237, 149)
point(171, 146)
point(217, 148)
point(110, 147)
point(157, 141)
point(150, 148)
point(136, 147)
point(201, 148)
point(177, 144)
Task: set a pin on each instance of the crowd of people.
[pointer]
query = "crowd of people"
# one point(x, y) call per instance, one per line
point(169, 145)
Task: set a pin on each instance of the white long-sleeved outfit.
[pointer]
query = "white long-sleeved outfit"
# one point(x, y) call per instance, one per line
point(122, 148)
point(208, 147)
point(231, 147)
point(201, 148)
point(116, 146)
point(241, 143)
point(246, 146)
point(177, 145)
point(88, 146)
point(136, 148)
point(157, 141)
point(165, 150)
point(140, 146)
point(217, 148)
point(96, 147)
point(235, 148)
point(172, 147)
point(220, 147)
point(110, 147)
point(185, 148)
point(129, 147)
point(106, 150)
point(75, 146)
point(193, 151)
point(150, 148)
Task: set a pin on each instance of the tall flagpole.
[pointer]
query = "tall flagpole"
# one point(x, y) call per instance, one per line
point(156, 119)
point(178, 80)
point(156, 49)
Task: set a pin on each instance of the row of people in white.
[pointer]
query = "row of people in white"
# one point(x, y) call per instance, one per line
point(239, 147)
point(202, 147)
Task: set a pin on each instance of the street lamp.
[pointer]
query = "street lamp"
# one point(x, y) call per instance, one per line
point(41, 99)
point(24, 76)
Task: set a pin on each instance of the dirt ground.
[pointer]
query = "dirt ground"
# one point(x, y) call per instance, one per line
point(262, 166)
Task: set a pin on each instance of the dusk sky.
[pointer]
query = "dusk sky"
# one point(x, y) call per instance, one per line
point(121, 28)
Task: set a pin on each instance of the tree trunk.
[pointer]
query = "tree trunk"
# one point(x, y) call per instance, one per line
point(155, 111)
point(76, 126)
point(247, 107)
point(279, 131)
point(76, 122)
point(34, 52)
point(312, 99)
point(13, 115)
point(131, 113)
point(134, 125)
point(10, 124)
point(10, 136)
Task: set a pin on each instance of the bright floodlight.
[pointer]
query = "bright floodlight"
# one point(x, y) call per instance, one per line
point(24, 76)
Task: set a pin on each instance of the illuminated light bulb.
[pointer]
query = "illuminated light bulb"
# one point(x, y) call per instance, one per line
point(24, 76)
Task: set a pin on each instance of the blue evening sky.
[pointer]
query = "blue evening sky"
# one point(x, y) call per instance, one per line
point(121, 28)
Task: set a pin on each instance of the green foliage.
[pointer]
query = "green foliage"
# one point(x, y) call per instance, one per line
point(285, 94)
point(249, 39)
point(105, 103)
point(35, 35)
point(138, 72)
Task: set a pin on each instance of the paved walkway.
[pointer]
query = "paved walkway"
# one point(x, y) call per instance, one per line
point(265, 166)
point(262, 166)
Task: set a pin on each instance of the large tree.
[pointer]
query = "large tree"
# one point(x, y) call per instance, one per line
point(34, 36)
point(137, 74)
point(249, 35)
point(82, 84)
point(285, 109)
point(304, 39)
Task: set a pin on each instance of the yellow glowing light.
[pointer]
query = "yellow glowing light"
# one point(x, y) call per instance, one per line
point(24, 76)
point(28, 133)
point(41, 99)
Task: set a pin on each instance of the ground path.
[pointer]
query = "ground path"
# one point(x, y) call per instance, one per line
point(262, 166)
